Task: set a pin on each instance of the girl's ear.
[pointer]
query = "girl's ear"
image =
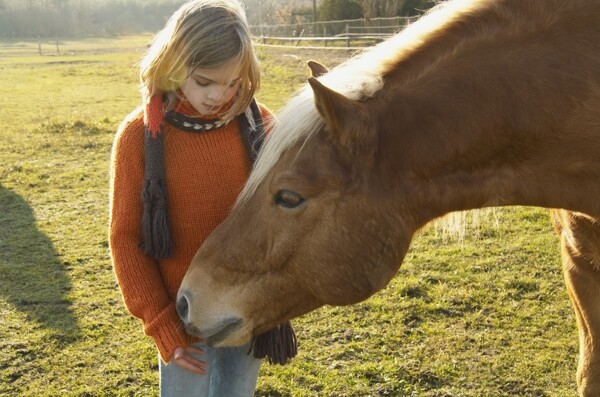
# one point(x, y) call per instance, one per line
point(317, 69)
point(349, 124)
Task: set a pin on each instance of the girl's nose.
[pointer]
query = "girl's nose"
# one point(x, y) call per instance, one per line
point(215, 93)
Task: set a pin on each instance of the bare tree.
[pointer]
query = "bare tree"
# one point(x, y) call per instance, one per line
point(275, 12)
point(392, 8)
point(380, 8)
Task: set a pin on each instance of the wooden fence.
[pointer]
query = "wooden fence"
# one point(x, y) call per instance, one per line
point(354, 33)
point(353, 41)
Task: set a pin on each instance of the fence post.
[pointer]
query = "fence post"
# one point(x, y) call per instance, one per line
point(300, 37)
point(347, 35)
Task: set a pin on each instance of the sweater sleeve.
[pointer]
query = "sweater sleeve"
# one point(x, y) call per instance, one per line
point(138, 275)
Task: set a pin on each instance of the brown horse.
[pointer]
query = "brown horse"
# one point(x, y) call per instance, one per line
point(480, 103)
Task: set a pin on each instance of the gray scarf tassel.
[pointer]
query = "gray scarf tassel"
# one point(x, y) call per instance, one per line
point(251, 123)
point(278, 345)
point(156, 232)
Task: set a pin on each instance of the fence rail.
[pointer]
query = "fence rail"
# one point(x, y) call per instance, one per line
point(348, 41)
point(350, 33)
point(331, 28)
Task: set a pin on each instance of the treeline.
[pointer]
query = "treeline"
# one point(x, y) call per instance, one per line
point(76, 18)
point(353, 9)
point(275, 12)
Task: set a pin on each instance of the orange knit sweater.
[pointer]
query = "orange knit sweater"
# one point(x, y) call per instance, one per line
point(204, 174)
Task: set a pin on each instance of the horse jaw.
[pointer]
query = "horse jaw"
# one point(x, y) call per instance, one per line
point(231, 291)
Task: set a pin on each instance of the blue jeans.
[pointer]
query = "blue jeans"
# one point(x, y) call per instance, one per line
point(231, 372)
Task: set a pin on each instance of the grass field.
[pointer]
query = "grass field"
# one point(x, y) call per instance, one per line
point(487, 315)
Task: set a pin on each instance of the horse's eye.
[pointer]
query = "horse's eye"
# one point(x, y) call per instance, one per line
point(287, 199)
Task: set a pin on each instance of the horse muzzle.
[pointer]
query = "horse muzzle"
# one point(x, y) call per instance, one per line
point(223, 331)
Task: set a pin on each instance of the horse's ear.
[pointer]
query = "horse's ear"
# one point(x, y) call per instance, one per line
point(347, 121)
point(317, 69)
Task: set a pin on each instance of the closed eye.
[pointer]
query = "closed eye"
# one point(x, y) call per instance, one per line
point(288, 200)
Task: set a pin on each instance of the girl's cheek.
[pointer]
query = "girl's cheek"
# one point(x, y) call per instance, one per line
point(231, 92)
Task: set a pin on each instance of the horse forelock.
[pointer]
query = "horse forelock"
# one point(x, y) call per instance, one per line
point(359, 77)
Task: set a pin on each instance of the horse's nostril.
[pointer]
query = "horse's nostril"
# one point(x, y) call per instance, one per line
point(182, 306)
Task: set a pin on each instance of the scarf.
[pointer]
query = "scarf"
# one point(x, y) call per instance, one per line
point(279, 344)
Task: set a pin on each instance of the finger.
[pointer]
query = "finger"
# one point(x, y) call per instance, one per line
point(194, 349)
point(178, 353)
point(195, 362)
point(185, 364)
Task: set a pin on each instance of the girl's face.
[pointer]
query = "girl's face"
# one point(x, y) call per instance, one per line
point(209, 90)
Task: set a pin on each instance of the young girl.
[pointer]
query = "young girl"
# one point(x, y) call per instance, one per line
point(178, 164)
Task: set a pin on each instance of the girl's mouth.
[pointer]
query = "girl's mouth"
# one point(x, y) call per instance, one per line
point(213, 108)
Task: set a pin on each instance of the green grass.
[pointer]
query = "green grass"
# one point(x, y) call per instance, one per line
point(484, 316)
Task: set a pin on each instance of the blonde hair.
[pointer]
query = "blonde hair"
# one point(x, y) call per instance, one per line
point(201, 34)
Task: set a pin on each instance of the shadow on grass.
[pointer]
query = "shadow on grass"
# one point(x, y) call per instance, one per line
point(32, 279)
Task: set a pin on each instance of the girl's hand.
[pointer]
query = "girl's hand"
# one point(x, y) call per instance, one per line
point(183, 357)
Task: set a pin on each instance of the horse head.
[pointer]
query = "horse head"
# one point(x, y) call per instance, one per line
point(315, 230)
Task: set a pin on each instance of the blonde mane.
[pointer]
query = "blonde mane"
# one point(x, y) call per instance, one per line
point(357, 78)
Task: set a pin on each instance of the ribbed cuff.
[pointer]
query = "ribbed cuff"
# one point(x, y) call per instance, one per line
point(167, 331)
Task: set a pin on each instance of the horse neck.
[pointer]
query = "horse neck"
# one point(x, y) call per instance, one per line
point(506, 121)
